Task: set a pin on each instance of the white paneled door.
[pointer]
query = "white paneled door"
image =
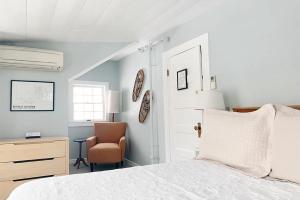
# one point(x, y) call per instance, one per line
point(183, 113)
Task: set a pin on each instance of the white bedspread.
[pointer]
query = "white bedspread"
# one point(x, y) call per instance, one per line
point(189, 180)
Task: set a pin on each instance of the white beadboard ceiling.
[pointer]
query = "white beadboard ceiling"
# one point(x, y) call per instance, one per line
point(90, 20)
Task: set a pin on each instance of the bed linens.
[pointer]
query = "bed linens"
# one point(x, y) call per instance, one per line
point(285, 162)
point(240, 140)
point(188, 180)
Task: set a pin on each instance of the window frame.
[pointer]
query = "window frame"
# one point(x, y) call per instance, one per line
point(73, 123)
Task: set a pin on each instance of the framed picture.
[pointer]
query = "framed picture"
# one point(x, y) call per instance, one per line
point(182, 80)
point(31, 95)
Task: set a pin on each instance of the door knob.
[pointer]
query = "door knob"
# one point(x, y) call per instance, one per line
point(198, 129)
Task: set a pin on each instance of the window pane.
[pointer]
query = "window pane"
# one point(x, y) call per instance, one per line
point(88, 91)
point(89, 99)
point(88, 107)
point(98, 107)
point(78, 116)
point(97, 91)
point(77, 90)
point(88, 116)
point(78, 99)
point(98, 116)
point(97, 99)
point(88, 102)
point(78, 107)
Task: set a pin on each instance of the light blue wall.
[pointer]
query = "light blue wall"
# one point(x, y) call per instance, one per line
point(138, 135)
point(107, 72)
point(16, 124)
point(77, 56)
point(254, 49)
point(253, 46)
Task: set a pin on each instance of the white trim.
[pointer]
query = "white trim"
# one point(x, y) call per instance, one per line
point(201, 41)
point(80, 124)
point(166, 108)
point(70, 92)
point(79, 82)
point(86, 124)
point(130, 163)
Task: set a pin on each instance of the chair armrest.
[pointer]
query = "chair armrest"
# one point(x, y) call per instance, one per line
point(122, 146)
point(90, 142)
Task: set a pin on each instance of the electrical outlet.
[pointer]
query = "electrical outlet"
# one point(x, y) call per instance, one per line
point(213, 82)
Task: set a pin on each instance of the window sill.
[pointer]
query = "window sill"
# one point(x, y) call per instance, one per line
point(81, 124)
point(84, 124)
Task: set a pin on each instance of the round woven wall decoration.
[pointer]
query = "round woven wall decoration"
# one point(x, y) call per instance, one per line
point(145, 107)
point(138, 85)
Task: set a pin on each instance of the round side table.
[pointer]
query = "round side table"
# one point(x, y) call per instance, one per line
point(80, 159)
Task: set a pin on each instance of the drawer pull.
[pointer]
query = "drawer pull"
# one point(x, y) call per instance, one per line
point(29, 143)
point(36, 160)
point(26, 179)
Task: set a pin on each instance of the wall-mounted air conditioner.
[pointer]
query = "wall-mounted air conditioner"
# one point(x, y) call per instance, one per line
point(12, 57)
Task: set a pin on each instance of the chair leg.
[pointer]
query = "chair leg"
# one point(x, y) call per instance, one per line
point(122, 163)
point(92, 167)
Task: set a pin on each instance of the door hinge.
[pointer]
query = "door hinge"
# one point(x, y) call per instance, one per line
point(168, 72)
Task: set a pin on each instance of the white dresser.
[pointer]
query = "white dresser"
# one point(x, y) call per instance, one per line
point(28, 159)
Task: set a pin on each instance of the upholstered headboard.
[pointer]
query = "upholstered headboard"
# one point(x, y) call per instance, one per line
point(251, 109)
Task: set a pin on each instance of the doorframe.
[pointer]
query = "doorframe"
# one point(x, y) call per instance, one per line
point(201, 41)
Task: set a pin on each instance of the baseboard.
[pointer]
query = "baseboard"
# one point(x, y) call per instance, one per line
point(130, 163)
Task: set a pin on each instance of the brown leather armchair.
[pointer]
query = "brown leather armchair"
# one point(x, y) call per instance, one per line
point(108, 144)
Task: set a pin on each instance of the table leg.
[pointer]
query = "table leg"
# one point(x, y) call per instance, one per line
point(79, 156)
point(83, 161)
point(80, 159)
point(77, 160)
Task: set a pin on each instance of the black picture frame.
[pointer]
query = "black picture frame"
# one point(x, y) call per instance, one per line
point(31, 110)
point(181, 73)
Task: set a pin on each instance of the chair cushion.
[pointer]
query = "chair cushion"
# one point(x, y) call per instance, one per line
point(105, 153)
point(109, 132)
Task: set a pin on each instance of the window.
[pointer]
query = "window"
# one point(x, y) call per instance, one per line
point(88, 102)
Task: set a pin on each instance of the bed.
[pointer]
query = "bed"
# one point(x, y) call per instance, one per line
point(199, 179)
point(187, 180)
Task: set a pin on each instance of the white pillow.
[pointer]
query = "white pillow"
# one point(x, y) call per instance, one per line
point(286, 144)
point(240, 140)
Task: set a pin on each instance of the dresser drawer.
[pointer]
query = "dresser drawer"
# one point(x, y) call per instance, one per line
point(33, 150)
point(22, 170)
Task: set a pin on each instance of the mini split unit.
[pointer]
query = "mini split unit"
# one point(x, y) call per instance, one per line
point(12, 57)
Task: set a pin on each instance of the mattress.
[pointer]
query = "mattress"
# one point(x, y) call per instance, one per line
point(187, 180)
